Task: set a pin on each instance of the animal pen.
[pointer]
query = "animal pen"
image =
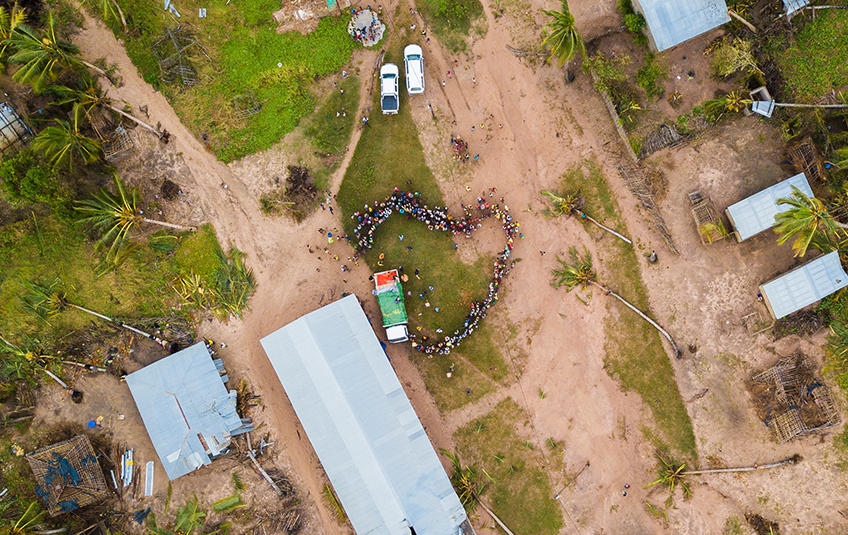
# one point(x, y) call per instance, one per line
point(807, 159)
point(791, 400)
point(68, 474)
point(118, 145)
point(709, 224)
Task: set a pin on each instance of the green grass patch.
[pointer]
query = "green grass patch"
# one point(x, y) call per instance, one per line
point(389, 155)
point(651, 76)
point(243, 54)
point(635, 354)
point(466, 384)
point(520, 493)
point(46, 248)
point(818, 59)
point(330, 128)
point(451, 20)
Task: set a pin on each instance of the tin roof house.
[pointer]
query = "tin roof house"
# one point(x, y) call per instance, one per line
point(671, 22)
point(187, 411)
point(804, 285)
point(368, 438)
point(756, 213)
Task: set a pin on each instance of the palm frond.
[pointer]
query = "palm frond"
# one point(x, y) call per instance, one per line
point(807, 220)
point(578, 272)
point(564, 38)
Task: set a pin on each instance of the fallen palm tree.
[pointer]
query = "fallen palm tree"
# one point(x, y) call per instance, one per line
point(572, 204)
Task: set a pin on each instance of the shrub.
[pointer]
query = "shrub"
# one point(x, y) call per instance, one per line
point(610, 70)
point(733, 56)
point(635, 22)
point(648, 76)
point(27, 179)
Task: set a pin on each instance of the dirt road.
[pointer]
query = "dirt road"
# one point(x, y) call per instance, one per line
point(535, 127)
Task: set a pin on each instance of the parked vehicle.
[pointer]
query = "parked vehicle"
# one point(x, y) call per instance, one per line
point(413, 62)
point(389, 101)
point(389, 294)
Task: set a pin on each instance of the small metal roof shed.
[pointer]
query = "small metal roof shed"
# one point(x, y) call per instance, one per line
point(756, 213)
point(382, 466)
point(794, 6)
point(804, 285)
point(188, 412)
point(671, 22)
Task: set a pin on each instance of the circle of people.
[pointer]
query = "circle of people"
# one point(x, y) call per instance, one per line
point(411, 206)
point(365, 33)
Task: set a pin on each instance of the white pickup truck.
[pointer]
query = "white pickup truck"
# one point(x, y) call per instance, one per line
point(389, 101)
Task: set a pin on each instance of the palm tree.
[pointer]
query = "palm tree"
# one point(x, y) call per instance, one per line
point(466, 482)
point(673, 474)
point(116, 215)
point(564, 39)
point(837, 347)
point(572, 203)
point(580, 272)
point(9, 20)
point(841, 160)
point(42, 55)
point(47, 300)
point(64, 145)
point(90, 98)
point(809, 222)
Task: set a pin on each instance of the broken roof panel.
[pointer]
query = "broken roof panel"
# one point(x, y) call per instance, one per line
point(367, 436)
point(670, 22)
point(188, 412)
point(804, 285)
point(756, 213)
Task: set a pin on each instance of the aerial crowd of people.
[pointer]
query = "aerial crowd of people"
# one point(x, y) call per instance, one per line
point(410, 205)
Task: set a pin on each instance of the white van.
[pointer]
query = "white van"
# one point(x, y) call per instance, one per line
point(389, 101)
point(413, 62)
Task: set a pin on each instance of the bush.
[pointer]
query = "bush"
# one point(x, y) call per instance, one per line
point(731, 57)
point(610, 70)
point(27, 179)
point(635, 22)
point(648, 76)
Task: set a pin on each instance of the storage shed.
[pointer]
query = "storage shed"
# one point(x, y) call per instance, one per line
point(362, 426)
point(804, 285)
point(671, 22)
point(756, 213)
point(14, 133)
point(188, 412)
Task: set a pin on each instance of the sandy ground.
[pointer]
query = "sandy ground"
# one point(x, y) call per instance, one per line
point(548, 127)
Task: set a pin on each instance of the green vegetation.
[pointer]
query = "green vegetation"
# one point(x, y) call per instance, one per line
point(818, 59)
point(651, 75)
point(732, 56)
point(564, 39)
point(451, 20)
point(254, 60)
point(635, 354)
point(633, 20)
point(25, 179)
point(519, 491)
point(329, 131)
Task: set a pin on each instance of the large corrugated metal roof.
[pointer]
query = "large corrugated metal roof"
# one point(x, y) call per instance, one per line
point(182, 398)
point(756, 213)
point(363, 428)
point(805, 285)
point(673, 21)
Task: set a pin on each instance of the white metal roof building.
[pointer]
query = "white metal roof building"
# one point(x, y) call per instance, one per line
point(804, 285)
point(187, 411)
point(756, 213)
point(671, 22)
point(382, 466)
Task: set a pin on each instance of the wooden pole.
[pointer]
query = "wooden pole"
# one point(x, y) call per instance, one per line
point(743, 21)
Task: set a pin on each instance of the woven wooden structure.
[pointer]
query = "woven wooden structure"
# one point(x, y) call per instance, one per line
point(172, 52)
point(791, 400)
point(68, 474)
point(639, 184)
point(118, 145)
point(709, 224)
point(807, 159)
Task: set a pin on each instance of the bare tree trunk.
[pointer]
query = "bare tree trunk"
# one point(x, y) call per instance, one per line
point(95, 68)
point(121, 14)
point(677, 352)
point(792, 460)
point(138, 121)
point(611, 231)
point(826, 106)
point(743, 21)
point(496, 519)
point(161, 342)
point(169, 225)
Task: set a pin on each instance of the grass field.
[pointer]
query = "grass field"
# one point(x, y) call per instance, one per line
point(242, 54)
point(635, 354)
point(818, 59)
point(519, 491)
point(44, 248)
point(451, 20)
point(373, 173)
